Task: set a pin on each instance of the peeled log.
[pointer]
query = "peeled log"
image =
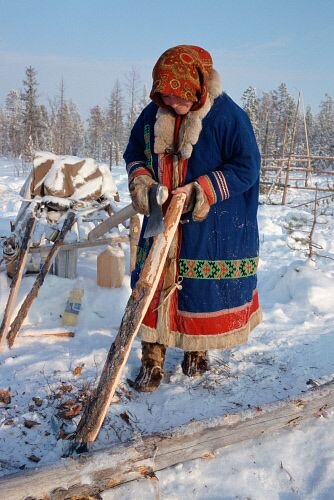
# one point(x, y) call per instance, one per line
point(95, 411)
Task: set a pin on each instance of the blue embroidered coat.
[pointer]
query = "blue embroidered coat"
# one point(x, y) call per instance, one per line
point(214, 261)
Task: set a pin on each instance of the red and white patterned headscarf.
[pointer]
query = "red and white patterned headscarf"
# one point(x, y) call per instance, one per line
point(182, 71)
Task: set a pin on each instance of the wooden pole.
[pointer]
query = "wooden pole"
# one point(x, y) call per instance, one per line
point(307, 144)
point(298, 169)
point(113, 221)
point(290, 154)
point(134, 238)
point(114, 240)
point(24, 309)
point(137, 306)
point(284, 141)
point(265, 146)
point(15, 284)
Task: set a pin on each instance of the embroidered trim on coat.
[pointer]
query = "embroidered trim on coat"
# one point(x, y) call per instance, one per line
point(147, 151)
point(142, 253)
point(189, 342)
point(221, 182)
point(137, 168)
point(218, 269)
point(205, 182)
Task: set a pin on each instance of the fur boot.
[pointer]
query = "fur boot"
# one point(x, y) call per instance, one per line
point(195, 363)
point(151, 371)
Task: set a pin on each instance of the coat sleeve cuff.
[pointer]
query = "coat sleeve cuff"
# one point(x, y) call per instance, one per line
point(215, 187)
point(136, 168)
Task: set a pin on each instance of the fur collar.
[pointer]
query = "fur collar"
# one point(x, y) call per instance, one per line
point(191, 125)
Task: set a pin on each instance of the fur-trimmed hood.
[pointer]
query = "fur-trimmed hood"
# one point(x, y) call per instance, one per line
point(191, 126)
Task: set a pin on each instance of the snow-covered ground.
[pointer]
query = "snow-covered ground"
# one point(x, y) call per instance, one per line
point(293, 346)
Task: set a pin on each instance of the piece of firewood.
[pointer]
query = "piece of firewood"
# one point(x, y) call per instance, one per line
point(45, 332)
point(16, 281)
point(95, 411)
point(24, 309)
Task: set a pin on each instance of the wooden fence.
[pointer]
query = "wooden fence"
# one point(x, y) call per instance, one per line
point(290, 173)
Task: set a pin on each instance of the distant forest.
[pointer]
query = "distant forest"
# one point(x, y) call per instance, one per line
point(280, 122)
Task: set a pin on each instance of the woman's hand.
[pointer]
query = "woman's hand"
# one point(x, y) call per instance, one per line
point(196, 200)
point(139, 189)
point(188, 190)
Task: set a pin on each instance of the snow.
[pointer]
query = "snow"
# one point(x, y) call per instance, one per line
point(291, 348)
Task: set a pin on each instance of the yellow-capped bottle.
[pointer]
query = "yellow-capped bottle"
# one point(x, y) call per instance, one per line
point(73, 306)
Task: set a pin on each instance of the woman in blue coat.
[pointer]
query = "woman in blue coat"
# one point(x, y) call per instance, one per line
point(195, 139)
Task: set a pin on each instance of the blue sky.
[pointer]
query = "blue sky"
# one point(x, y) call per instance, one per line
point(90, 43)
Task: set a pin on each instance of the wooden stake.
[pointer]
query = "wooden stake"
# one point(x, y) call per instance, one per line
point(307, 143)
point(16, 281)
point(95, 411)
point(284, 141)
point(286, 183)
point(24, 309)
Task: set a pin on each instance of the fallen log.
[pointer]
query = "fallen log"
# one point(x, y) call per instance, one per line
point(96, 472)
point(136, 308)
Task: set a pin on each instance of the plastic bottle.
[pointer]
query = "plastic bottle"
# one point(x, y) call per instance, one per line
point(73, 305)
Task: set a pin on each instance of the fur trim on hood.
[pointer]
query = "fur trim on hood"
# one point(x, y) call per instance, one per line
point(191, 126)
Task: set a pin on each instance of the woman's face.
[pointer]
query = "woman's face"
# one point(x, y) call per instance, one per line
point(179, 105)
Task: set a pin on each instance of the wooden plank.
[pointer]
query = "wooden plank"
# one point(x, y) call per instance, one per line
point(113, 221)
point(16, 281)
point(46, 332)
point(84, 244)
point(92, 473)
point(136, 308)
